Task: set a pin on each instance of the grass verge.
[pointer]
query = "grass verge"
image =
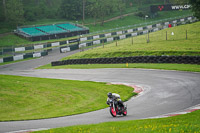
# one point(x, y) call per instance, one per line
point(188, 123)
point(179, 67)
point(132, 20)
point(24, 98)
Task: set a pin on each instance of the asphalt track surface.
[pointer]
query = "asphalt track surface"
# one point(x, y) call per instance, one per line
point(164, 92)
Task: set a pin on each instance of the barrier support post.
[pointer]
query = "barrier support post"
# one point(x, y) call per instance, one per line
point(186, 34)
point(132, 40)
point(2, 52)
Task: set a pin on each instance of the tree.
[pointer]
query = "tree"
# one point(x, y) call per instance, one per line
point(105, 8)
point(4, 7)
point(2, 10)
point(178, 1)
point(100, 9)
point(70, 9)
point(195, 7)
point(139, 3)
point(92, 8)
point(121, 5)
point(41, 9)
point(84, 1)
point(14, 12)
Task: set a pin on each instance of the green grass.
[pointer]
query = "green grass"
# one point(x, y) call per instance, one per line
point(15, 41)
point(179, 67)
point(132, 20)
point(130, 9)
point(24, 98)
point(11, 39)
point(188, 123)
point(47, 21)
point(6, 28)
point(175, 45)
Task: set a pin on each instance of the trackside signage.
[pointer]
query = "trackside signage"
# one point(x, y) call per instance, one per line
point(170, 7)
point(183, 7)
point(73, 40)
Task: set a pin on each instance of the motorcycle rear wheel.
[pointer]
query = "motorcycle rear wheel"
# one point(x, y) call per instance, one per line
point(125, 112)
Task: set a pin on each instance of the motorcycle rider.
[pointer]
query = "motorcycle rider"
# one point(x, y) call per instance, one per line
point(116, 98)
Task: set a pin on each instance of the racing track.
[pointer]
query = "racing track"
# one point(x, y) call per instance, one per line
point(165, 92)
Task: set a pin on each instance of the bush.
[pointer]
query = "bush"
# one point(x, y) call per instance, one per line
point(140, 14)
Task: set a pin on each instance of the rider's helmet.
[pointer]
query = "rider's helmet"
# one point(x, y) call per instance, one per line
point(109, 95)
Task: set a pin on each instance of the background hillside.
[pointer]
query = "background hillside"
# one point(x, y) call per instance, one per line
point(97, 15)
point(22, 12)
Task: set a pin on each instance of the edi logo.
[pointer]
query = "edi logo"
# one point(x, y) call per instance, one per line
point(160, 8)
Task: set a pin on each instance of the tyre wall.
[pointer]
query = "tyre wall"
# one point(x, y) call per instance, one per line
point(135, 59)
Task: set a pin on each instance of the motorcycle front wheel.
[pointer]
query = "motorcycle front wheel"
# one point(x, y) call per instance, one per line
point(113, 112)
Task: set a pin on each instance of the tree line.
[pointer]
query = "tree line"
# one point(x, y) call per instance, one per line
point(17, 12)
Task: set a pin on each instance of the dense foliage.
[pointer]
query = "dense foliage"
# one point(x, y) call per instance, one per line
point(196, 7)
point(16, 12)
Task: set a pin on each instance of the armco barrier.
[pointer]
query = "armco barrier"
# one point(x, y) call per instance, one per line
point(38, 46)
point(134, 59)
point(23, 56)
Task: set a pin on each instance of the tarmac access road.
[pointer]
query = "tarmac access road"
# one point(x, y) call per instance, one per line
point(164, 92)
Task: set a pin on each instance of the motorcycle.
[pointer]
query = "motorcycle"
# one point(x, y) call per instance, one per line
point(115, 109)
